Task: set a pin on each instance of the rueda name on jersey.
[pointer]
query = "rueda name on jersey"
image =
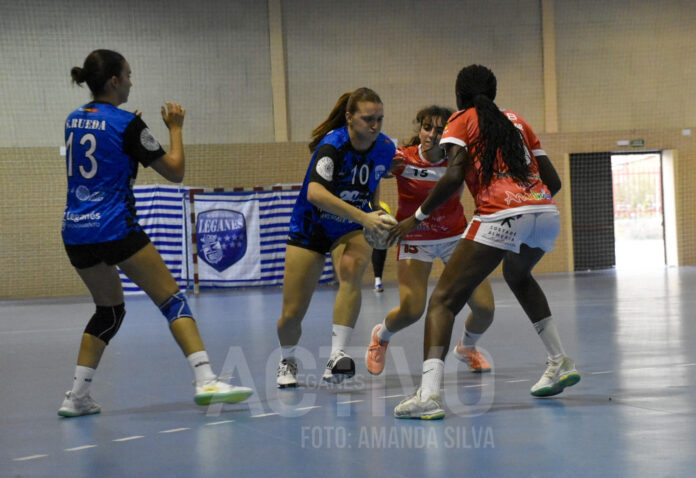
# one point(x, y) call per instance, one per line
point(82, 123)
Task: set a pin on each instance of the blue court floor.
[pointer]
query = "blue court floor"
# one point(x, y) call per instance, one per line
point(632, 415)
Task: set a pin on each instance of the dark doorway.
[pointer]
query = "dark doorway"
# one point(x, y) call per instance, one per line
point(593, 211)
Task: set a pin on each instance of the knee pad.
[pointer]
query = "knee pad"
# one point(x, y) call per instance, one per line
point(175, 307)
point(105, 322)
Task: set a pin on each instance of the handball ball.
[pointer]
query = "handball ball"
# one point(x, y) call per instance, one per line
point(378, 238)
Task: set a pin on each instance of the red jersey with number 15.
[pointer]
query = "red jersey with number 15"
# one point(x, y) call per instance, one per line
point(414, 181)
point(504, 196)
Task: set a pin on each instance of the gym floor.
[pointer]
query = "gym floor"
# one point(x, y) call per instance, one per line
point(632, 415)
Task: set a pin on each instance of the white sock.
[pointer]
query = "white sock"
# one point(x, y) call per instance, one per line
point(383, 333)
point(469, 339)
point(200, 363)
point(433, 369)
point(546, 328)
point(340, 335)
point(287, 353)
point(82, 380)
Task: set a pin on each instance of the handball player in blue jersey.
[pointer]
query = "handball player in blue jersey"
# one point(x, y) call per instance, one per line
point(349, 157)
point(104, 145)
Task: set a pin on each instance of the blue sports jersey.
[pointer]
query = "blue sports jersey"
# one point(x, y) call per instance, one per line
point(104, 145)
point(348, 174)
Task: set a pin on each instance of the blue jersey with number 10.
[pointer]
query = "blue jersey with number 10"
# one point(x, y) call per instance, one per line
point(351, 175)
point(103, 147)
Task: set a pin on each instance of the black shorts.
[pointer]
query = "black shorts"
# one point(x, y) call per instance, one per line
point(321, 245)
point(318, 240)
point(111, 253)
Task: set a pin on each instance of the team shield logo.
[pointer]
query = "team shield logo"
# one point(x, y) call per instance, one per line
point(222, 237)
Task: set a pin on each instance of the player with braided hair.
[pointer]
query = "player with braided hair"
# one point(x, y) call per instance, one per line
point(516, 222)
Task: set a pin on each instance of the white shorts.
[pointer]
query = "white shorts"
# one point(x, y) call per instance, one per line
point(535, 229)
point(427, 252)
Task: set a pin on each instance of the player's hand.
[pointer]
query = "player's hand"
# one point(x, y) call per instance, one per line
point(397, 163)
point(377, 220)
point(138, 113)
point(173, 115)
point(404, 227)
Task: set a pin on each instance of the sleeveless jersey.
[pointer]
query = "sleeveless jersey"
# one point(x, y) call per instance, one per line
point(504, 196)
point(348, 174)
point(104, 145)
point(414, 181)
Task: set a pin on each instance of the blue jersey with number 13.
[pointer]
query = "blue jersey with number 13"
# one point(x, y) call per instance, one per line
point(104, 145)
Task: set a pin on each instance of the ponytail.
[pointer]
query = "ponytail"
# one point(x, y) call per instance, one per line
point(347, 103)
point(336, 119)
point(99, 67)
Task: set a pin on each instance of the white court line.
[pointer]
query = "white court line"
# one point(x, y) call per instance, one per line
point(78, 448)
point(174, 430)
point(688, 364)
point(31, 457)
point(264, 415)
point(517, 381)
point(219, 423)
point(602, 373)
point(307, 408)
point(350, 401)
point(393, 396)
point(478, 385)
point(134, 437)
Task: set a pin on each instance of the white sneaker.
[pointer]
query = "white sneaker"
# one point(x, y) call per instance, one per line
point(378, 286)
point(217, 391)
point(414, 406)
point(556, 377)
point(77, 406)
point(286, 377)
point(339, 367)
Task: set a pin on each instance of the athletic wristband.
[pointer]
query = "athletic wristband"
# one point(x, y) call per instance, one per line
point(420, 216)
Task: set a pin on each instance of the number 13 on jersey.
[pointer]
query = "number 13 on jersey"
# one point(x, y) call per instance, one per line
point(91, 141)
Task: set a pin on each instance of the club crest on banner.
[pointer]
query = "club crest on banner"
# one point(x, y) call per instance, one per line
point(222, 237)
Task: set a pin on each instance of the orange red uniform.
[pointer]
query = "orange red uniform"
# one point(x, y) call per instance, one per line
point(414, 181)
point(504, 196)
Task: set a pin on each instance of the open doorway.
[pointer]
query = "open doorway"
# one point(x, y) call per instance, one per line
point(638, 210)
point(623, 210)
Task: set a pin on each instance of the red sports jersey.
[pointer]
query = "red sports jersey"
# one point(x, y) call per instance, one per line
point(504, 196)
point(414, 181)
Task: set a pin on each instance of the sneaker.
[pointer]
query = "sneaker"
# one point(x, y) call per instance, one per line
point(286, 377)
point(472, 357)
point(379, 287)
point(217, 391)
point(339, 367)
point(414, 406)
point(376, 352)
point(77, 406)
point(556, 377)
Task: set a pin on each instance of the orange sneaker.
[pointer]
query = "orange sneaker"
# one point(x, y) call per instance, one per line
point(376, 352)
point(472, 357)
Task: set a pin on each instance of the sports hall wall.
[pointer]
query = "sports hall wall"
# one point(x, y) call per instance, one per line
point(583, 73)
